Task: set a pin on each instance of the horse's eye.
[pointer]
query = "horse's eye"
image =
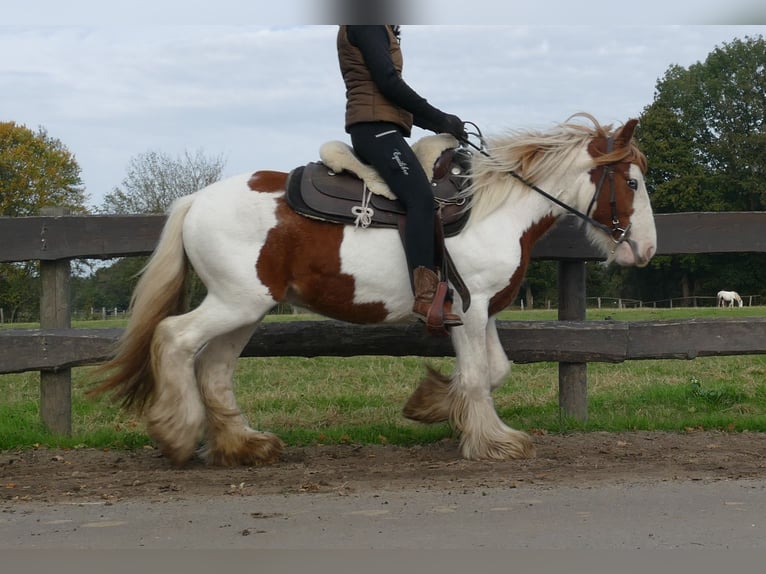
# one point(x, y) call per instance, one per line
point(632, 183)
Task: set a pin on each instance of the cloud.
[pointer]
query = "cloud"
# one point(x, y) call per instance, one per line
point(267, 97)
point(292, 12)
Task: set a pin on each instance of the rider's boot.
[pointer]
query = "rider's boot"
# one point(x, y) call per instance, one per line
point(431, 305)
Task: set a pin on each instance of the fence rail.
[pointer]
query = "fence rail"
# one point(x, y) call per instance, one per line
point(55, 239)
point(524, 341)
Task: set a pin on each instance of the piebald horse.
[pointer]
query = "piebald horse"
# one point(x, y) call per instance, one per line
point(728, 298)
point(253, 252)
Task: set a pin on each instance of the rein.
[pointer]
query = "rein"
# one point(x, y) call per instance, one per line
point(622, 233)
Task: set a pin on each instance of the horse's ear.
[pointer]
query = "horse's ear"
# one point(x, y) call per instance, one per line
point(625, 134)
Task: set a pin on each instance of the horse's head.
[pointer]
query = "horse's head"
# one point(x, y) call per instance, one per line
point(591, 171)
point(620, 202)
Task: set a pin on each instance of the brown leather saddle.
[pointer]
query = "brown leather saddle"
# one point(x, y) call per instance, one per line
point(318, 192)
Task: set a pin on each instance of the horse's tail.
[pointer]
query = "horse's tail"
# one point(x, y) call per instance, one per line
point(160, 292)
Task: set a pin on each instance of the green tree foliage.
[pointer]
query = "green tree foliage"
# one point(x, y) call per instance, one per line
point(539, 286)
point(704, 132)
point(107, 287)
point(705, 139)
point(19, 291)
point(36, 170)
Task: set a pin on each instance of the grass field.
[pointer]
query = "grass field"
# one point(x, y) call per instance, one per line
point(359, 399)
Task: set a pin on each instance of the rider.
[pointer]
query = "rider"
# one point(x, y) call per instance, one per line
point(380, 111)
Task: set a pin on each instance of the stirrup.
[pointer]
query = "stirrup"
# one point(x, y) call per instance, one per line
point(435, 318)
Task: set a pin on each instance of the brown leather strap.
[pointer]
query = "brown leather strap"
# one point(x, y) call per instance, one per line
point(447, 266)
point(457, 281)
point(435, 318)
point(439, 247)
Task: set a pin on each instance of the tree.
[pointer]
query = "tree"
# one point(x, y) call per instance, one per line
point(155, 179)
point(107, 287)
point(19, 291)
point(705, 135)
point(705, 139)
point(36, 170)
point(539, 284)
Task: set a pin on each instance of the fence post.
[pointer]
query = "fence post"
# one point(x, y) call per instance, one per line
point(573, 377)
point(55, 313)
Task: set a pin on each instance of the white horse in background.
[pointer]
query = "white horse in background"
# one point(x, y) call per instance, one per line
point(727, 299)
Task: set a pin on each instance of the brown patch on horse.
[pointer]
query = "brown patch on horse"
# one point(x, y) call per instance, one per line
point(267, 181)
point(619, 159)
point(505, 297)
point(625, 149)
point(623, 195)
point(300, 264)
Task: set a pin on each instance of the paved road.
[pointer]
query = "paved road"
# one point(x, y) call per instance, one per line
point(721, 514)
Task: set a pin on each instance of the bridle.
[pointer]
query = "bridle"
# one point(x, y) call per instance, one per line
point(616, 233)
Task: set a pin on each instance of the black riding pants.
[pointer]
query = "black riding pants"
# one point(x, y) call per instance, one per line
point(383, 146)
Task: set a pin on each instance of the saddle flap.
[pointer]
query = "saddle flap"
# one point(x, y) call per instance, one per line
point(318, 192)
point(346, 186)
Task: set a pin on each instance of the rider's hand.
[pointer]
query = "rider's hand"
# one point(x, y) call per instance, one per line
point(453, 125)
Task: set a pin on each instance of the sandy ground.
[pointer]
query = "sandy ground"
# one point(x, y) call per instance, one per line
point(571, 460)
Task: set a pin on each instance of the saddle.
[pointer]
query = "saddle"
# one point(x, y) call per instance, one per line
point(342, 189)
point(318, 191)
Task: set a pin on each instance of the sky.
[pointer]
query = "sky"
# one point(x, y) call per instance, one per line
point(267, 94)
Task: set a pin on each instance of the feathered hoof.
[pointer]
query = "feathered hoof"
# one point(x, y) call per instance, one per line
point(178, 455)
point(512, 446)
point(178, 447)
point(247, 449)
point(430, 403)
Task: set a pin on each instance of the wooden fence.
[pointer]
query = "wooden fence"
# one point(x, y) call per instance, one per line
point(571, 341)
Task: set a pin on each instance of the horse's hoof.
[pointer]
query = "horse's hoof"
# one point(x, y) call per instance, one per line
point(515, 445)
point(249, 449)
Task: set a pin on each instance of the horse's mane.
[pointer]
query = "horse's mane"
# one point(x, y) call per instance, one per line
point(533, 154)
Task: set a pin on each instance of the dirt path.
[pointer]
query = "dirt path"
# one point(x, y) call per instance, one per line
point(46, 475)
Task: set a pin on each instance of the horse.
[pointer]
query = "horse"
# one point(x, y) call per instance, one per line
point(724, 297)
point(252, 252)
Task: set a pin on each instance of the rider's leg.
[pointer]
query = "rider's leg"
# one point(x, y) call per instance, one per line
point(383, 146)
